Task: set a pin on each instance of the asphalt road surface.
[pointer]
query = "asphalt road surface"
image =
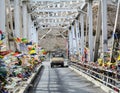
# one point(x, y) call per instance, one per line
point(61, 80)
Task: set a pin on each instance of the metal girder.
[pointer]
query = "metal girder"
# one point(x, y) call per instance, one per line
point(49, 26)
point(55, 10)
point(56, 28)
point(38, 5)
point(90, 30)
point(45, 34)
point(55, 17)
point(104, 25)
point(53, 23)
point(98, 30)
point(70, 14)
point(53, 0)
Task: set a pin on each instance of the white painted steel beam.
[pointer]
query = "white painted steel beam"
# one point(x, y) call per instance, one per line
point(53, 0)
point(2, 15)
point(45, 34)
point(25, 21)
point(17, 18)
point(54, 23)
point(55, 28)
point(70, 42)
point(55, 17)
point(71, 36)
point(74, 40)
point(104, 25)
point(115, 26)
point(77, 33)
point(10, 15)
point(9, 25)
point(34, 35)
point(37, 36)
point(82, 33)
point(3, 24)
point(90, 31)
point(98, 30)
point(55, 10)
point(29, 27)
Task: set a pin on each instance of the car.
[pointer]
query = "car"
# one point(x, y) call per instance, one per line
point(57, 60)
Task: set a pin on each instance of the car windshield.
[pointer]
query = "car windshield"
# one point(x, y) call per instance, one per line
point(57, 55)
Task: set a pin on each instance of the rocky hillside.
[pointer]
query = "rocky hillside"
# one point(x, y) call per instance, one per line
point(52, 40)
point(111, 14)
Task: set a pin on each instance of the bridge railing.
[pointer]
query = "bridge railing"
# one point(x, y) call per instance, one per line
point(109, 78)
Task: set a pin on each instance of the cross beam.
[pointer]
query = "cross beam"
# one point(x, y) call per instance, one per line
point(53, 0)
point(53, 23)
point(55, 17)
point(55, 10)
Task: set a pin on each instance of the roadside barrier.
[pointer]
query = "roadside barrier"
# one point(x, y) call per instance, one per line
point(107, 78)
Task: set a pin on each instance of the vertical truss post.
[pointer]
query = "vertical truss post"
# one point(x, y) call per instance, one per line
point(98, 29)
point(71, 41)
point(34, 32)
point(17, 18)
point(90, 30)
point(114, 30)
point(86, 34)
point(10, 15)
point(82, 33)
point(37, 36)
point(9, 26)
point(25, 20)
point(29, 27)
point(2, 15)
point(3, 21)
point(79, 37)
point(77, 32)
point(74, 40)
point(104, 25)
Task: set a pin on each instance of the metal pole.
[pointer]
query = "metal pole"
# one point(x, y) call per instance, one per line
point(32, 31)
point(82, 33)
point(74, 40)
point(86, 35)
point(90, 30)
point(17, 17)
point(10, 16)
point(2, 15)
point(37, 36)
point(115, 26)
point(7, 32)
point(29, 27)
point(104, 25)
point(98, 29)
point(77, 32)
point(25, 21)
point(3, 21)
point(71, 42)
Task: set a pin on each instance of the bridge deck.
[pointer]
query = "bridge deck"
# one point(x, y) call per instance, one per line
point(62, 80)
